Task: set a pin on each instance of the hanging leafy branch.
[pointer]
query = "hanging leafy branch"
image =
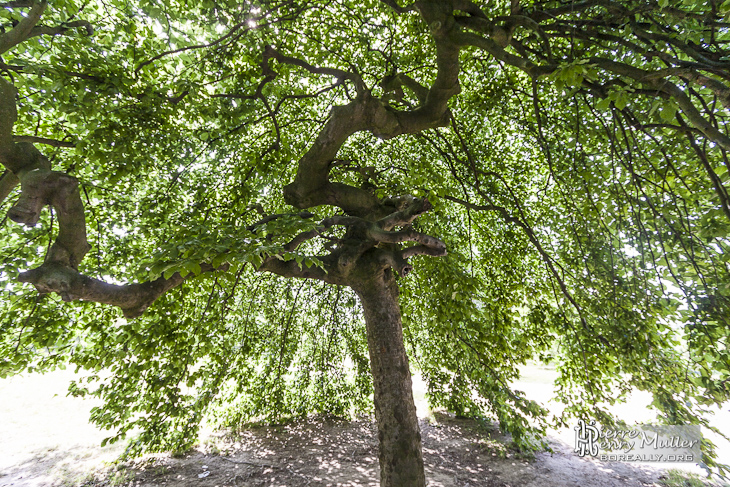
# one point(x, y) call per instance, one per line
point(572, 158)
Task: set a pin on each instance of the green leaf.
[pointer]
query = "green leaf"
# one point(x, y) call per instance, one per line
point(603, 104)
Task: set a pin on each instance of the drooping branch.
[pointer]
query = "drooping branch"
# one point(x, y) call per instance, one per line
point(717, 183)
point(41, 187)
point(692, 62)
point(666, 86)
point(270, 218)
point(547, 258)
point(324, 225)
point(656, 83)
point(232, 34)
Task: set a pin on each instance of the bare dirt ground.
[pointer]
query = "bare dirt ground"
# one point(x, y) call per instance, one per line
point(331, 452)
point(46, 441)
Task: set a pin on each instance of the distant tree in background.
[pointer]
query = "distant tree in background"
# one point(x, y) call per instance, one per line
point(199, 194)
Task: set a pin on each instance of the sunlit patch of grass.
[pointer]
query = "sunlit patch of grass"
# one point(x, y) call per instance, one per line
point(679, 478)
point(121, 476)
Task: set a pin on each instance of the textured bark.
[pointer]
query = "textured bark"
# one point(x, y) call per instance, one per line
point(366, 258)
point(41, 187)
point(133, 299)
point(23, 30)
point(372, 249)
point(8, 182)
point(8, 116)
point(401, 461)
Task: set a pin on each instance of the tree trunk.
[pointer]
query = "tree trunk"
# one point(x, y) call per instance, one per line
point(401, 460)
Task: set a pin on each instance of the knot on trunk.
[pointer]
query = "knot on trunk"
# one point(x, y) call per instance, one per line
point(52, 277)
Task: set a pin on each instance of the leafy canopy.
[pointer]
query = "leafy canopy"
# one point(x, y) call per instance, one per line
point(579, 183)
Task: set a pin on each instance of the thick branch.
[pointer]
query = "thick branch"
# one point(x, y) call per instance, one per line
point(22, 158)
point(42, 30)
point(718, 88)
point(469, 7)
point(397, 8)
point(17, 4)
point(40, 187)
point(290, 268)
point(133, 299)
point(423, 250)
point(375, 231)
point(270, 52)
point(395, 261)
point(324, 225)
point(23, 30)
point(42, 140)
point(496, 50)
point(311, 186)
point(363, 236)
point(401, 80)
point(8, 115)
point(8, 182)
point(409, 208)
point(407, 235)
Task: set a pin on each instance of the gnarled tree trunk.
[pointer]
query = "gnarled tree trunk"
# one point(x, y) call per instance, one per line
point(399, 436)
point(378, 241)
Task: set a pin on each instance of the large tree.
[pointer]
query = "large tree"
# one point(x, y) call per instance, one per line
point(205, 190)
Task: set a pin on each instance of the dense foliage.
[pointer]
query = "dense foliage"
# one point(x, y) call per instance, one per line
point(578, 180)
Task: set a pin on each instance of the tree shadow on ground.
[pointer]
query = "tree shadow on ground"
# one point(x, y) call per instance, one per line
point(329, 452)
